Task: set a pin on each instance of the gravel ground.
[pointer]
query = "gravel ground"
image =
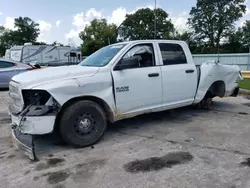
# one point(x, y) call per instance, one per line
point(183, 148)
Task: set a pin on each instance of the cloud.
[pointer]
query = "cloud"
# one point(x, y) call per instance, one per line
point(58, 22)
point(1, 13)
point(81, 20)
point(73, 33)
point(9, 23)
point(180, 21)
point(44, 26)
point(117, 16)
point(247, 12)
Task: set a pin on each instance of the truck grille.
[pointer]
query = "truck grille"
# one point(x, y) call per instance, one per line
point(16, 101)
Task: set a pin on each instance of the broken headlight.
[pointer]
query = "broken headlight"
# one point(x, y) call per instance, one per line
point(38, 102)
point(35, 97)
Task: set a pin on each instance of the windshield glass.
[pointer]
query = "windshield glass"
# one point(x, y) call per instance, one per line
point(103, 56)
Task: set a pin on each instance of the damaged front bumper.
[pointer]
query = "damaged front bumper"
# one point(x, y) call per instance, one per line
point(24, 127)
point(24, 143)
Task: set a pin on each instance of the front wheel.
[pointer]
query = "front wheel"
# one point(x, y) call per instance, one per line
point(83, 124)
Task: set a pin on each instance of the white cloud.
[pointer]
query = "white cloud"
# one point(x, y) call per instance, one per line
point(118, 16)
point(73, 33)
point(9, 23)
point(44, 26)
point(1, 13)
point(247, 12)
point(180, 21)
point(58, 22)
point(80, 21)
point(41, 40)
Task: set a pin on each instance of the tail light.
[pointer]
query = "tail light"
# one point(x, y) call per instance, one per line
point(31, 68)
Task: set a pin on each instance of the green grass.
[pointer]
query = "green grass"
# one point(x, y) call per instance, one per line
point(245, 84)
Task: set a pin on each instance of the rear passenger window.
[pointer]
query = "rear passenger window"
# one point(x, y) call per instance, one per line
point(172, 54)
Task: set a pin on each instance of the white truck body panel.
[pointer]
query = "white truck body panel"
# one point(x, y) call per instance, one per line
point(129, 92)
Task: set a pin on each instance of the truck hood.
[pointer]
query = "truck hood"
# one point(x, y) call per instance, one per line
point(47, 75)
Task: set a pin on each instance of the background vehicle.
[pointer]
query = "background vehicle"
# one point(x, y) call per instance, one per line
point(9, 68)
point(45, 54)
point(119, 81)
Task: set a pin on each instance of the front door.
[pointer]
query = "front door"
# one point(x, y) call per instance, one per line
point(138, 86)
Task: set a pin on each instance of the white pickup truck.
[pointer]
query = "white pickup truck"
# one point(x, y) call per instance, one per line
point(118, 81)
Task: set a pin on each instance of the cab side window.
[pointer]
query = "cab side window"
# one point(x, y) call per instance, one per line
point(172, 54)
point(139, 56)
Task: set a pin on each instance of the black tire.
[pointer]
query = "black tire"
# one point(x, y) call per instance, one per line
point(82, 124)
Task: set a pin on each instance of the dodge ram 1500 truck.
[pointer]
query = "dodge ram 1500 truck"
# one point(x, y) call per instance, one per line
point(118, 81)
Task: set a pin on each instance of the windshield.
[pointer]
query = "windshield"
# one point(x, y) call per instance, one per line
point(103, 56)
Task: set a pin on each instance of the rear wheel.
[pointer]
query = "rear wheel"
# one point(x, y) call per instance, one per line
point(83, 124)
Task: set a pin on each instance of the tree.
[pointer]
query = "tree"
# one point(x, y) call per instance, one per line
point(213, 20)
point(5, 40)
point(96, 35)
point(39, 43)
point(26, 31)
point(55, 43)
point(244, 34)
point(140, 25)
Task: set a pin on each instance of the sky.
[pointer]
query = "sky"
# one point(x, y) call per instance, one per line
point(62, 20)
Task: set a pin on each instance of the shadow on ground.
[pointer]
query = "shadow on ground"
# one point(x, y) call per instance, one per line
point(52, 143)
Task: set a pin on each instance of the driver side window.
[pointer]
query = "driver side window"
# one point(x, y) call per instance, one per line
point(139, 56)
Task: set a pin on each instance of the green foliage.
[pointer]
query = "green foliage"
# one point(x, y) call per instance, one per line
point(26, 30)
point(244, 34)
point(39, 43)
point(245, 84)
point(55, 43)
point(98, 34)
point(213, 20)
point(140, 25)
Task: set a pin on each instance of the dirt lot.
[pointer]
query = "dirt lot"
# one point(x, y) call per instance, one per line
point(188, 147)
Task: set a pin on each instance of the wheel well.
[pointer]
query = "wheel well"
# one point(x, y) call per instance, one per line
point(97, 100)
point(218, 88)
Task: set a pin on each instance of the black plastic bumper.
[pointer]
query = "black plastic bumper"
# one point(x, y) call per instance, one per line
point(24, 143)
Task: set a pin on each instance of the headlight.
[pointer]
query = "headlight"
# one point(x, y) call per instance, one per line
point(35, 97)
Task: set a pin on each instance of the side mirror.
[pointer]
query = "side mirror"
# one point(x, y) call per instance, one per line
point(118, 67)
point(127, 63)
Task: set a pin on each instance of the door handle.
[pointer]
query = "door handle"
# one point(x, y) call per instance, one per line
point(153, 75)
point(190, 71)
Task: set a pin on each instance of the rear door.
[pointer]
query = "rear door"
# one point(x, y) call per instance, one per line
point(7, 71)
point(138, 88)
point(179, 75)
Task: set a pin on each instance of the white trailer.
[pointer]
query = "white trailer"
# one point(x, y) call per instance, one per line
point(45, 54)
point(7, 54)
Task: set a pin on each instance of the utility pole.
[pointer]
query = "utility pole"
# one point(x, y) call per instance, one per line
point(155, 22)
